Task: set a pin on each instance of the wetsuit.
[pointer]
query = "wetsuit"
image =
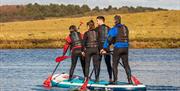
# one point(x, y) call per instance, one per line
point(102, 36)
point(74, 41)
point(91, 51)
point(118, 35)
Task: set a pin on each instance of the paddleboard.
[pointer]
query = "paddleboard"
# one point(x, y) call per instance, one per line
point(61, 80)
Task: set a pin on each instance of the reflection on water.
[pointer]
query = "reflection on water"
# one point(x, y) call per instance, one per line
point(26, 69)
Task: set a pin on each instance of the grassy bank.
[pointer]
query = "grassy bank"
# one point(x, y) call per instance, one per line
point(147, 30)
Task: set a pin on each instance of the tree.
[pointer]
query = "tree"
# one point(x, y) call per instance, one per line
point(85, 8)
point(140, 9)
point(77, 9)
point(37, 11)
point(96, 9)
point(124, 9)
point(109, 7)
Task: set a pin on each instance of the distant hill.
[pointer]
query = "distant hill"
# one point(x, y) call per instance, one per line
point(38, 12)
point(159, 29)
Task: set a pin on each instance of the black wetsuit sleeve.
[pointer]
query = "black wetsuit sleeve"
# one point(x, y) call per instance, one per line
point(108, 28)
point(98, 33)
point(84, 41)
point(97, 29)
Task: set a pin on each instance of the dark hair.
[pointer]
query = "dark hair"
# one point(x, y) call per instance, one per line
point(91, 24)
point(73, 27)
point(101, 18)
point(117, 19)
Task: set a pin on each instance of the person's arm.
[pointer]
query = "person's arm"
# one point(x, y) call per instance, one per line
point(108, 28)
point(67, 44)
point(111, 34)
point(84, 40)
point(98, 32)
point(82, 36)
point(84, 43)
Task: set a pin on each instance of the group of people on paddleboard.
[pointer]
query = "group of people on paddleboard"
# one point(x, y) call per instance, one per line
point(95, 43)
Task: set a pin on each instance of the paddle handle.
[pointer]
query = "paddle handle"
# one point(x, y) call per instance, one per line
point(80, 25)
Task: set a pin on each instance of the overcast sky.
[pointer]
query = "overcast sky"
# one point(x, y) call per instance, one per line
point(168, 4)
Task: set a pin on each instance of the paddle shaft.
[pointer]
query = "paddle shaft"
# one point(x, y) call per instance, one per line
point(55, 69)
point(112, 54)
point(47, 82)
point(91, 73)
point(84, 86)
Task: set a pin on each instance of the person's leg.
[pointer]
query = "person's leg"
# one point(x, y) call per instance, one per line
point(108, 65)
point(82, 59)
point(73, 64)
point(97, 64)
point(100, 57)
point(126, 64)
point(87, 62)
point(115, 63)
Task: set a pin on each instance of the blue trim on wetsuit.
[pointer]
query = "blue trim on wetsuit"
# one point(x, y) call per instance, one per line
point(113, 32)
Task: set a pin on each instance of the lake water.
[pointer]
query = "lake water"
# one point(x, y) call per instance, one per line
point(26, 69)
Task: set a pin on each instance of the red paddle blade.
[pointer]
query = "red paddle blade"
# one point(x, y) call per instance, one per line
point(47, 82)
point(135, 80)
point(61, 58)
point(84, 86)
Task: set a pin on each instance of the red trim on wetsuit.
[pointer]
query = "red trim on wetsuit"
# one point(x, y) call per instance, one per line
point(68, 42)
point(75, 48)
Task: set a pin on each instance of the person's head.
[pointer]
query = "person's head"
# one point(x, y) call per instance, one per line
point(100, 20)
point(117, 19)
point(91, 24)
point(72, 28)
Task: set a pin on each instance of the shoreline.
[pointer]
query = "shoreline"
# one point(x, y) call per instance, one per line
point(55, 44)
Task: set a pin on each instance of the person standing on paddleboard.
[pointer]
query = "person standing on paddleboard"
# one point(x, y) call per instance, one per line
point(103, 30)
point(119, 37)
point(91, 50)
point(74, 41)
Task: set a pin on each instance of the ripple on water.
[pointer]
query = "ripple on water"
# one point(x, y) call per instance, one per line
point(26, 69)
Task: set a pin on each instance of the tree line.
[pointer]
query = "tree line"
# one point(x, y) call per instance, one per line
point(36, 11)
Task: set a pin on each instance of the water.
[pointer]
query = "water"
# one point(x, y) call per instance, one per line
point(26, 69)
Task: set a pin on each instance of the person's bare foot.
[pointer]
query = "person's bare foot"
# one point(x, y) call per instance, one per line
point(114, 82)
point(97, 80)
point(110, 80)
point(70, 79)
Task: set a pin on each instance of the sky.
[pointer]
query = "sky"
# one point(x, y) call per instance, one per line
point(167, 4)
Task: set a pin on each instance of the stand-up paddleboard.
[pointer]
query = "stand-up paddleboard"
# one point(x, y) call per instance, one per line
point(61, 80)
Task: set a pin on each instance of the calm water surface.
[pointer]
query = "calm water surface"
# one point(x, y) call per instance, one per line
point(26, 69)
